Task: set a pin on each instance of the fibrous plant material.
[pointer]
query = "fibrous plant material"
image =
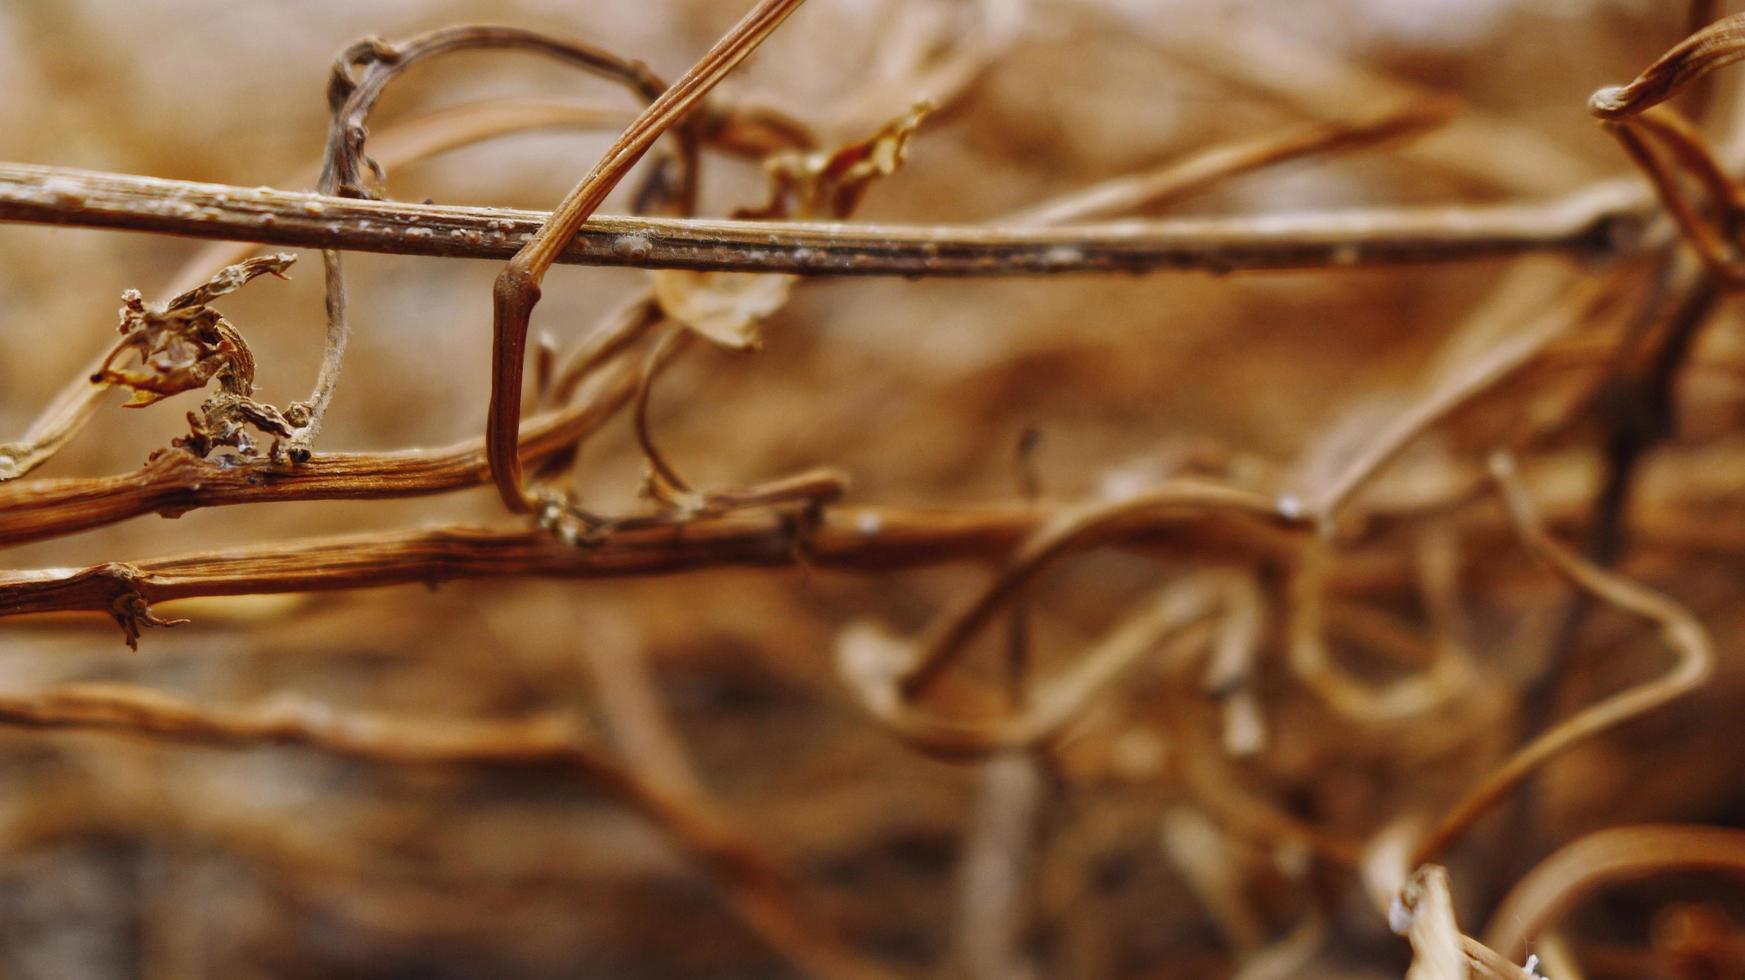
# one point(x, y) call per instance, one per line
point(987, 615)
point(185, 344)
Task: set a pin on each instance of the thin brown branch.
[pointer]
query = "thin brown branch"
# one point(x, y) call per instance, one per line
point(517, 288)
point(176, 482)
point(1606, 219)
point(856, 538)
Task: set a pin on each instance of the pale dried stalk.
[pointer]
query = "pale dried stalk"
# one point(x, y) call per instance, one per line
point(1204, 168)
point(1715, 46)
point(1424, 913)
point(1581, 867)
point(995, 874)
point(1679, 631)
point(1602, 220)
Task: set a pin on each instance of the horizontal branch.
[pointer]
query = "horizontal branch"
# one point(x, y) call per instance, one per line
point(858, 538)
point(1601, 220)
point(176, 482)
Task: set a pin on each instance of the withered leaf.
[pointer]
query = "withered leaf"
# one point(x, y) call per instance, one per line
point(831, 184)
point(724, 307)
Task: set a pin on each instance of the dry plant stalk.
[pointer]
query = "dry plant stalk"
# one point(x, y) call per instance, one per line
point(1222, 711)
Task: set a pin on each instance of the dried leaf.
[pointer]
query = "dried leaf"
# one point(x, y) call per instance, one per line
point(831, 184)
point(724, 307)
point(183, 345)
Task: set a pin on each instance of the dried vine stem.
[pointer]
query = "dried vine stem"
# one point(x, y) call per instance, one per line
point(1715, 46)
point(1604, 220)
point(353, 98)
point(859, 538)
point(1201, 169)
point(759, 888)
point(1616, 854)
point(1679, 631)
point(402, 144)
point(1711, 237)
point(517, 288)
point(174, 483)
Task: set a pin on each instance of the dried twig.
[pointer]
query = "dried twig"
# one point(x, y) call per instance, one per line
point(404, 143)
point(174, 483)
point(517, 289)
point(1603, 220)
point(1583, 866)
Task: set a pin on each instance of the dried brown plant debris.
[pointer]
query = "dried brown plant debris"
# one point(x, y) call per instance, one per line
point(1679, 630)
point(517, 289)
point(183, 345)
point(1215, 681)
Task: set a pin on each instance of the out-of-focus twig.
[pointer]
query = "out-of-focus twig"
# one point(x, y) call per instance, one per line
point(760, 889)
point(1078, 529)
point(1679, 630)
point(1616, 854)
point(1197, 171)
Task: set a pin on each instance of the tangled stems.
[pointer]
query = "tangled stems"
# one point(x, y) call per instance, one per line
point(517, 287)
point(1679, 631)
